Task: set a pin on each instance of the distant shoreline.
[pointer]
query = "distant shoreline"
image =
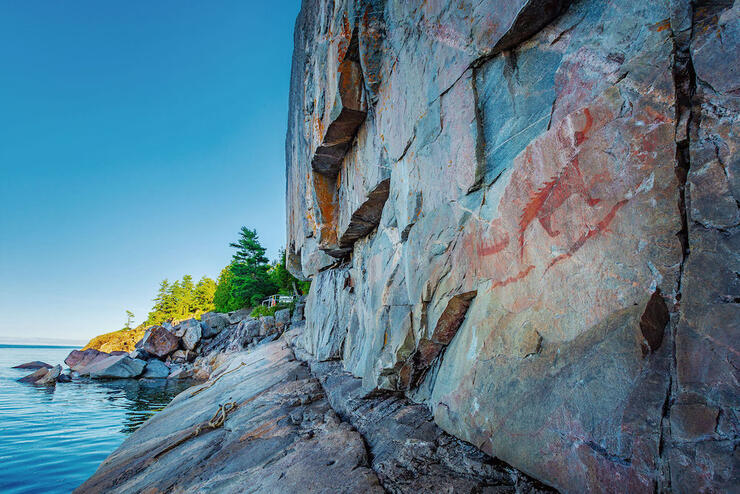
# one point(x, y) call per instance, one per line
point(39, 345)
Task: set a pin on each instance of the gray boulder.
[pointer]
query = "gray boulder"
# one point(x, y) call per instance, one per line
point(181, 356)
point(238, 316)
point(267, 325)
point(181, 372)
point(117, 367)
point(213, 323)
point(156, 369)
point(34, 376)
point(282, 317)
point(192, 334)
point(51, 375)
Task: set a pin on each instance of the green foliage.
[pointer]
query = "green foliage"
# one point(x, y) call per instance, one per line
point(286, 283)
point(182, 299)
point(129, 320)
point(262, 310)
point(222, 298)
point(251, 282)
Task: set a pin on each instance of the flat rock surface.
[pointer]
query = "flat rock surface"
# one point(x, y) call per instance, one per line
point(282, 436)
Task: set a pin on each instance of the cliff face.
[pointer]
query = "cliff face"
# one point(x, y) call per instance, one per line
point(524, 214)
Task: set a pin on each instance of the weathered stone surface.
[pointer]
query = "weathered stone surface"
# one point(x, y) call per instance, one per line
point(36, 364)
point(183, 371)
point(281, 436)
point(159, 342)
point(213, 323)
point(51, 376)
point(180, 356)
point(155, 369)
point(238, 316)
point(78, 359)
point(116, 367)
point(33, 377)
point(192, 335)
point(267, 325)
point(409, 452)
point(574, 168)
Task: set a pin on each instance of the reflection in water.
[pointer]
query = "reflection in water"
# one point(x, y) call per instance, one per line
point(144, 398)
point(52, 438)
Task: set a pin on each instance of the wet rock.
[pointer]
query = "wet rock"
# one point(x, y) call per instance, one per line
point(155, 369)
point(51, 377)
point(213, 323)
point(116, 367)
point(64, 378)
point(34, 376)
point(36, 364)
point(159, 342)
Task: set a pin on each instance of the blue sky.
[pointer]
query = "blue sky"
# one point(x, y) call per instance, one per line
point(136, 138)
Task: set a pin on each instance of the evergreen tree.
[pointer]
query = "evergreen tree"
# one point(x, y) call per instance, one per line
point(286, 283)
point(129, 319)
point(161, 302)
point(204, 294)
point(187, 302)
point(251, 282)
point(222, 295)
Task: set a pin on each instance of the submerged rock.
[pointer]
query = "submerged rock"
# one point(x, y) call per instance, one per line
point(36, 364)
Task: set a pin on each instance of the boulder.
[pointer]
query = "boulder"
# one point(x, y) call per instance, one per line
point(64, 378)
point(282, 318)
point(36, 364)
point(192, 335)
point(34, 376)
point(181, 372)
point(155, 369)
point(267, 325)
point(181, 356)
point(213, 323)
point(79, 359)
point(238, 316)
point(117, 367)
point(51, 376)
point(159, 342)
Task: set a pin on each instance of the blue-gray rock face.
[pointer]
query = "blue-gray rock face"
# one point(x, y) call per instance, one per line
point(117, 367)
point(155, 369)
point(525, 215)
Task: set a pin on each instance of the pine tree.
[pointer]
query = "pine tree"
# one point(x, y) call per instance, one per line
point(204, 294)
point(251, 281)
point(161, 301)
point(129, 319)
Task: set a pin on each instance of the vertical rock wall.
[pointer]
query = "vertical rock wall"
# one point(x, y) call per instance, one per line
point(525, 215)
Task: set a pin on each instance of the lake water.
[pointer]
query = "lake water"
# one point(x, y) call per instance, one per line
point(53, 438)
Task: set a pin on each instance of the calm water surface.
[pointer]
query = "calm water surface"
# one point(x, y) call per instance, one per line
point(53, 438)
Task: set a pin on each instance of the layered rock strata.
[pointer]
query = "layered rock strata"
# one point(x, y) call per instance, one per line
point(532, 227)
point(266, 423)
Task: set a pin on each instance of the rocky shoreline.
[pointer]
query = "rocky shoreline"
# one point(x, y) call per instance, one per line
point(272, 419)
point(190, 349)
